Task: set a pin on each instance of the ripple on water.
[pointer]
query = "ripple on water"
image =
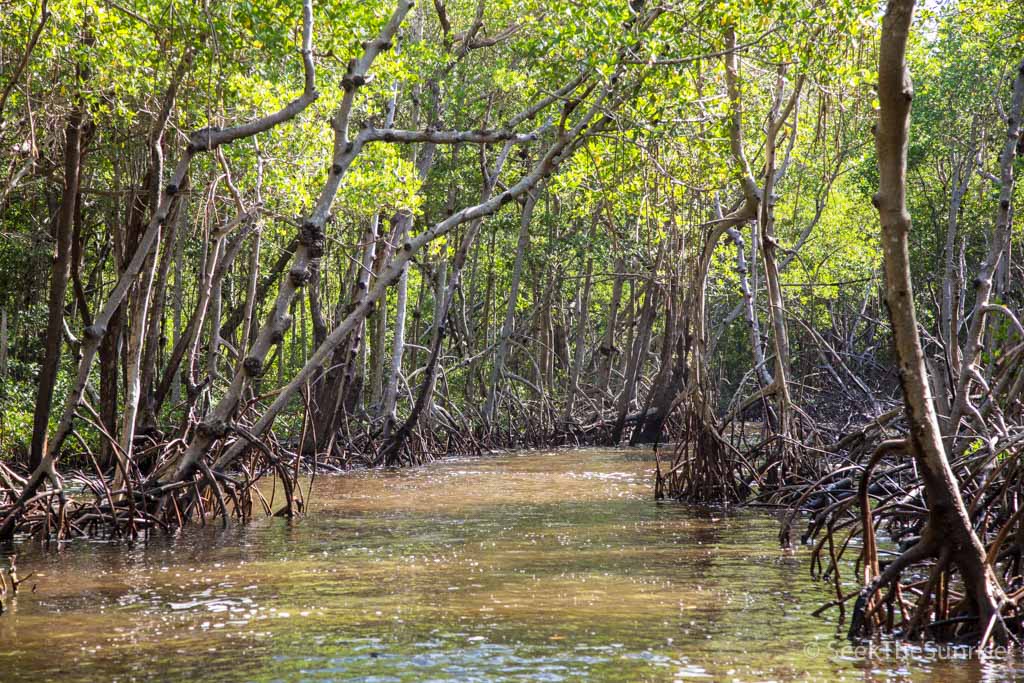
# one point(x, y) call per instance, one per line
point(523, 567)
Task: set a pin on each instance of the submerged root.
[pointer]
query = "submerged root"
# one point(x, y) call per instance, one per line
point(704, 465)
point(749, 464)
point(245, 474)
point(937, 584)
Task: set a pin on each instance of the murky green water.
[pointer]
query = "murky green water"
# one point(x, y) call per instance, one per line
point(528, 567)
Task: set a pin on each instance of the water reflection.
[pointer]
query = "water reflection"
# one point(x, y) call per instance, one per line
point(535, 566)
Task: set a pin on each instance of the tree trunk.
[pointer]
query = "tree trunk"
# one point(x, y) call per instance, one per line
point(949, 322)
point(378, 355)
point(345, 370)
point(764, 378)
point(390, 402)
point(3, 342)
point(154, 338)
point(948, 523)
point(580, 344)
point(138, 312)
point(316, 312)
point(671, 373)
point(638, 351)
point(423, 407)
point(608, 348)
point(498, 369)
point(60, 274)
point(109, 353)
point(437, 336)
point(178, 305)
point(970, 372)
point(204, 140)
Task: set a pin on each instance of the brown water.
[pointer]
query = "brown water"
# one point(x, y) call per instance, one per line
point(525, 567)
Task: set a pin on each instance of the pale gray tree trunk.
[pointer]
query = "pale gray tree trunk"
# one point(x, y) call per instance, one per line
point(580, 344)
point(500, 353)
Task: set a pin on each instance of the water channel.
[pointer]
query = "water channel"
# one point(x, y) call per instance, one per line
point(534, 566)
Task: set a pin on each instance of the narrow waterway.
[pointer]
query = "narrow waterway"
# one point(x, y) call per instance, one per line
point(522, 567)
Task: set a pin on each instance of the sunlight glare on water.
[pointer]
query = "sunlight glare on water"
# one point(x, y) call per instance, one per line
point(523, 567)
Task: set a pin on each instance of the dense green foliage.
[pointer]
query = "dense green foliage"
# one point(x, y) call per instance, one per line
point(619, 225)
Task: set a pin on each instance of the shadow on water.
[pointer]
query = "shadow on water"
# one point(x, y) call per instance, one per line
point(531, 566)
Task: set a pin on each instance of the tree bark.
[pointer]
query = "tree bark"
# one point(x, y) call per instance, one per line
point(949, 322)
point(522, 244)
point(948, 521)
point(998, 241)
point(638, 351)
point(608, 348)
point(776, 305)
point(60, 274)
point(580, 344)
point(204, 140)
point(154, 341)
